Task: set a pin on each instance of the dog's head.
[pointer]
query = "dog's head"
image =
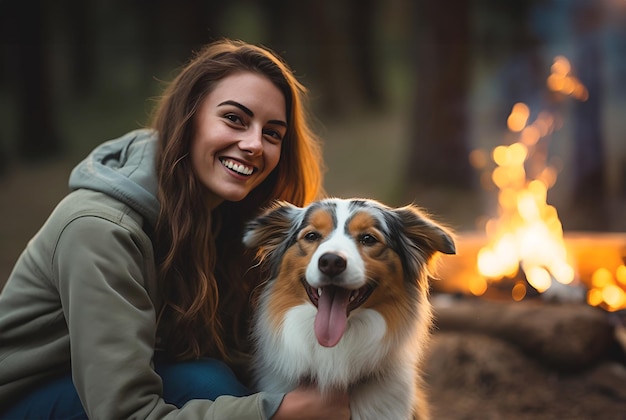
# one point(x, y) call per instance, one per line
point(345, 254)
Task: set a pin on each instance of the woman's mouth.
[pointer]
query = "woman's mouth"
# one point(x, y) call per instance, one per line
point(237, 167)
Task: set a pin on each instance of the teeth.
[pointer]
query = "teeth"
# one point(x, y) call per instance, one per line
point(242, 169)
point(319, 291)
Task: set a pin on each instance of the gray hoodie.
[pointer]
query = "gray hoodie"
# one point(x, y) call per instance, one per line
point(124, 169)
point(83, 297)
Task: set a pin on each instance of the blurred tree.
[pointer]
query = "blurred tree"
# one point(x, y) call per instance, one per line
point(169, 31)
point(362, 34)
point(335, 43)
point(589, 206)
point(508, 39)
point(24, 28)
point(81, 33)
point(441, 50)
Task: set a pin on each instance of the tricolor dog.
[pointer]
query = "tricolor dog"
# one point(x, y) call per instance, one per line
point(346, 301)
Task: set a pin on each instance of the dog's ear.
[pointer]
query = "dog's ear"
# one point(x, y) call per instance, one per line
point(422, 231)
point(418, 239)
point(269, 230)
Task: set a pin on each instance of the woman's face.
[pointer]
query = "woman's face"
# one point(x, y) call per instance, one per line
point(239, 129)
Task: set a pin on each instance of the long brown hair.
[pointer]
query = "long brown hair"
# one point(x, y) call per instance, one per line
point(204, 273)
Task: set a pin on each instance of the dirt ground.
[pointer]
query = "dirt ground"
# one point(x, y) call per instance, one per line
point(525, 361)
point(528, 392)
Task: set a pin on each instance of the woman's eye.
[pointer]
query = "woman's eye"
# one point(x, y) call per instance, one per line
point(234, 118)
point(367, 239)
point(273, 134)
point(312, 236)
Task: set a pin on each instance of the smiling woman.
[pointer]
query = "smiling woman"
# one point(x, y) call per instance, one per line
point(134, 297)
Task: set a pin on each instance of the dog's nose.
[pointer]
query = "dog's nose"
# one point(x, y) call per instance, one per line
point(332, 264)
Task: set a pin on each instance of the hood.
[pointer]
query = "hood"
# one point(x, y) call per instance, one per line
point(124, 169)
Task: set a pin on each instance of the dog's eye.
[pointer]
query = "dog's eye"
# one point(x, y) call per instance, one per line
point(312, 236)
point(367, 239)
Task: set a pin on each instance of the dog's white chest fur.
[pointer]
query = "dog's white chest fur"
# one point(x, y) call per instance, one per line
point(380, 378)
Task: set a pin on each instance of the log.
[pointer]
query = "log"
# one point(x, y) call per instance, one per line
point(566, 337)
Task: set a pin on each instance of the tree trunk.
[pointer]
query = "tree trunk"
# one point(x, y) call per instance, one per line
point(589, 202)
point(438, 151)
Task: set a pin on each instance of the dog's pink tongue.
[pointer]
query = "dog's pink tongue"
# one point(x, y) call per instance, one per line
point(332, 315)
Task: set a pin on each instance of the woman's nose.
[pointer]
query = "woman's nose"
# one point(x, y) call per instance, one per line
point(252, 141)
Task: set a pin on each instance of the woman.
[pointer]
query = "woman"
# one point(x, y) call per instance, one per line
point(133, 299)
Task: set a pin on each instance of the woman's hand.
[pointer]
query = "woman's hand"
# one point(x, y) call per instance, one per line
point(306, 403)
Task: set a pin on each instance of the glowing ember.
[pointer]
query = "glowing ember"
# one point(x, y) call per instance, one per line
point(608, 289)
point(527, 234)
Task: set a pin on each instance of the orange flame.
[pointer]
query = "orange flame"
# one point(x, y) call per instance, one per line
point(527, 232)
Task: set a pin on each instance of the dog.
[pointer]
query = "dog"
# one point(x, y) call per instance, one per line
point(346, 303)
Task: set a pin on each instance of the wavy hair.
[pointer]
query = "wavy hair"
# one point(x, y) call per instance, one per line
point(205, 275)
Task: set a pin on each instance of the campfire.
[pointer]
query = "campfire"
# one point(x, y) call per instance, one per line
point(523, 251)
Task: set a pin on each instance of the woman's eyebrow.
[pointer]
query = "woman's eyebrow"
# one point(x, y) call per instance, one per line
point(249, 112)
point(244, 108)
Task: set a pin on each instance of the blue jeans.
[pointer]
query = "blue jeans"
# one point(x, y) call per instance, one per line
point(182, 381)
